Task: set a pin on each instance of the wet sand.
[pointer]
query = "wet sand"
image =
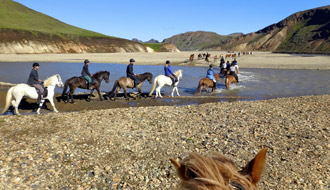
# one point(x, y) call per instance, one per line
point(256, 60)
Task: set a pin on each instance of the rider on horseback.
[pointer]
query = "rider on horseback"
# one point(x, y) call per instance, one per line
point(34, 81)
point(169, 73)
point(130, 73)
point(232, 69)
point(86, 74)
point(210, 75)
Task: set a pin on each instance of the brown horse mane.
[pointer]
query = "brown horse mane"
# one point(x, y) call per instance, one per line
point(98, 73)
point(217, 172)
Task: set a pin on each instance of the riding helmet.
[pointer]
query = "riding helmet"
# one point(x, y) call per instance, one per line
point(86, 61)
point(211, 65)
point(35, 64)
point(131, 60)
point(168, 62)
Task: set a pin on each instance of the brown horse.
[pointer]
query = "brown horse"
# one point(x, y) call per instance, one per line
point(230, 79)
point(191, 57)
point(126, 82)
point(79, 82)
point(205, 83)
point(219, 172)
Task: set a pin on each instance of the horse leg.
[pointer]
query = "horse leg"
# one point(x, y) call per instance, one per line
point(71, 94)
point(116, 92)
point(158, 92)
point(98, 91)
point(177, 91)
point(90, 95)
point(53, 105)
point(125, 93)
point(15, 103)
point(173, 90)
point(40, 105)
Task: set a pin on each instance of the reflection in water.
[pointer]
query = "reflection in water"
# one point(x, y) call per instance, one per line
point(254, 83)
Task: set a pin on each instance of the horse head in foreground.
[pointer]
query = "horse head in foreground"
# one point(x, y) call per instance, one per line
point(206, 83)
point(162, 80)
point(126, 82)
point(16, 93)
point(219, 172)
point(79, 82)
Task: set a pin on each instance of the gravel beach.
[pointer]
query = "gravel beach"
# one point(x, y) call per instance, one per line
point(129, 148)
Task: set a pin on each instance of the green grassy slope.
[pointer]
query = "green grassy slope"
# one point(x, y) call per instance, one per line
point(310, 34)
point(16, 16)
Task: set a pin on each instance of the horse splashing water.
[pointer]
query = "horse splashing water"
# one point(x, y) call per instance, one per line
point(126, 82)
point(205, 83)
point(219, 172)
point(230, 79)
point(79, 82)
point(19, 91)
point(162, 80)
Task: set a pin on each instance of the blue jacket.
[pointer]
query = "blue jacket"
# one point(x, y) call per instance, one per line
point(168, 70)
point(210, 74)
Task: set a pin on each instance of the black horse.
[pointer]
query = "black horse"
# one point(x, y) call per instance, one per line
point(126, 82)
point(79, 82)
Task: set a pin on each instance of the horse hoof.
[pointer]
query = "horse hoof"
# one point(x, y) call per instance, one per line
point(88, 100)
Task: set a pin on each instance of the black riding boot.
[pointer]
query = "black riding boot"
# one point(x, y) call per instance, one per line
point(214, 85)
point(88, 86)
point(39, 99)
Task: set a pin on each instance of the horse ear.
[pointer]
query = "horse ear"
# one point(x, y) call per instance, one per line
point(256, 166)
point(179, 168)
point(175, 163)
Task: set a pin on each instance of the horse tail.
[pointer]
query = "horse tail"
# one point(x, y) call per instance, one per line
point(227, 82)
point(200, 84)
point(65, 88)
point(153, 86)
point(9, 98)
point(113, 89)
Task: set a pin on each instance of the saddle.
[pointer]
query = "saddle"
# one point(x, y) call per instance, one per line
point(86, 81)
point(173, 80)
point(45, 91)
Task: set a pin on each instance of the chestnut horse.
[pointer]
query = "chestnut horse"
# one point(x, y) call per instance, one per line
point(191, 57)
point(126, 82)
point(205, 83)
point(219, 172)
point(79, 82)
point(230, 79)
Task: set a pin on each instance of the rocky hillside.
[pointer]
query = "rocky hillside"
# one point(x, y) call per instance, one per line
point(303, 32)
point(191, 41)
point(23, 30)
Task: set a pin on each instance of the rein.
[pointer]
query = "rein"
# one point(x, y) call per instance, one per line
point(236, 185)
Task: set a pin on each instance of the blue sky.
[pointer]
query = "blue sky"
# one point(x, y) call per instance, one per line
point(160, 19)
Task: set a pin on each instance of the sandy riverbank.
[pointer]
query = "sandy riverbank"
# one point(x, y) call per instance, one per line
point(257, 60)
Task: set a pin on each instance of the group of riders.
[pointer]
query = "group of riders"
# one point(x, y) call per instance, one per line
point(225, 67)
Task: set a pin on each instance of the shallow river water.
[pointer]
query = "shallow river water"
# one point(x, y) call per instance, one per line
point(254, 84)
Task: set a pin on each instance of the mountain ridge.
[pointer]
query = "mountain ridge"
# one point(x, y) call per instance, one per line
point(302, 32)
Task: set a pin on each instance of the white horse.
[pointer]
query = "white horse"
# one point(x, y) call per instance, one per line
point(162, 80)
point(19, 91)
